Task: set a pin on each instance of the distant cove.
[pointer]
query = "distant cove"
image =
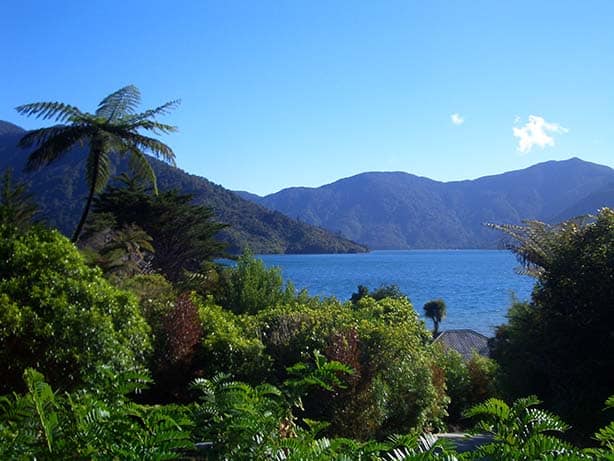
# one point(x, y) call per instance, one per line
point(477, 285)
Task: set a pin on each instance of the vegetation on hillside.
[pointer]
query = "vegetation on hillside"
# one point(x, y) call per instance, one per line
point(60, 188)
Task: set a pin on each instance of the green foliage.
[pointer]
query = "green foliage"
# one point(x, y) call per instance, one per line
point(126, 252)
point(385, 343)
point(457, 381)
point(230, 345)
point(183, 235)
point(436, 311)
point(244, 422)
point(520, 432)
point(250, 287)
point(559, 346)
point(156, 297)
point(605, 436)
point(17, 208)
point(97, 424)
point(115, 128)
point(59, 315)
point(384, 291)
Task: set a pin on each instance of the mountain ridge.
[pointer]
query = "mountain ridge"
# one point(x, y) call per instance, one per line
point(399, 210)
point(59, 189)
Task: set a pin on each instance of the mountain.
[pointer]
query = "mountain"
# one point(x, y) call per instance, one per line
point(395, 210)
point(60, 190)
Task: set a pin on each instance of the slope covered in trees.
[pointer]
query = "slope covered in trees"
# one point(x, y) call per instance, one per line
point(60, 191)
point(398, 210)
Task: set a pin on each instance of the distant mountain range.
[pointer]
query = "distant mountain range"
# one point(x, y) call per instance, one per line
point(59, 189)
point(401, 210)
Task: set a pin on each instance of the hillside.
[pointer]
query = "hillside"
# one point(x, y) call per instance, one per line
point(60, 190)
point(394, 210)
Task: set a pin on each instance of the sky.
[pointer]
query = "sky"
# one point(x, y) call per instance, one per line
point(304, 92)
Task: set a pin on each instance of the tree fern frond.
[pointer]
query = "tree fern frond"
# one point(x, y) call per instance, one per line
point(138, 163)
point(43, 400)
point(153, 126)
point(491, 407)
point(157, 148)
point(119, 103)
point(53, 143)
point(59, 111)
point(152, 113)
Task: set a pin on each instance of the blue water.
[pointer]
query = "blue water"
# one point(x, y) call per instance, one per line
point(477, 285)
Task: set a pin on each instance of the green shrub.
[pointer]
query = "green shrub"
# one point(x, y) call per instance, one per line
point(229, 345)
point(97, 424)
point(560, 345)
point(61, 316)
point(250, 287)
point(393, 387)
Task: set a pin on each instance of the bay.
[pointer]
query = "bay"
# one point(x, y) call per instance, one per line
point(477, 285)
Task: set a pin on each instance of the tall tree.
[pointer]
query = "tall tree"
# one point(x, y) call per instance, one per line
point(560, 345)
point(115, 128)
point(183, 234)
point(436, 311)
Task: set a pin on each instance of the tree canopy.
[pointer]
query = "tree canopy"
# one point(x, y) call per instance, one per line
point(115, 128)
point(183, 235)
point(436, 311)
point(61, 316)
point(560, 345)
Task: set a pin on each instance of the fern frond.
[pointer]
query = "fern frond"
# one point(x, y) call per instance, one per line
point(152, 113)
point(141, 167)
point(43, 400)
point(46, 110)
point(491, 407)
point(52, 143)
point(145, 143)
point(119, 103)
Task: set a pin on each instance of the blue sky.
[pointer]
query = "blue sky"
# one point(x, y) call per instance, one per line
point(288, 92)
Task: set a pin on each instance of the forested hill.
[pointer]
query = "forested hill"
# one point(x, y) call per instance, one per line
point(60, 190)
point(401, 210)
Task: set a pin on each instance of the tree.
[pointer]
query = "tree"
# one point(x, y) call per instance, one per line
point(560, 344)
point(436, 311)
point(182, 233)
point(60, 315)
point(384, 291)
point(114, 128)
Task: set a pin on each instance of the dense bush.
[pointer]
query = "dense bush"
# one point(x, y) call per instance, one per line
point(242, 422)
point(393, 387)
point(467, 382)
point(250, 287)
point(183, 233)
point(560, 346)
point(59, 315)
point(230, 344)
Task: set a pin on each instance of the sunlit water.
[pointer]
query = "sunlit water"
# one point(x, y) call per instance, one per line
point(477, 285)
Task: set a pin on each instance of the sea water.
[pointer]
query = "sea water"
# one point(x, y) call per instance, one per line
point(477, 285)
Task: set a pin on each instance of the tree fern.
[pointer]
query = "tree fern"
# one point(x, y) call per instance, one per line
point(114, 128)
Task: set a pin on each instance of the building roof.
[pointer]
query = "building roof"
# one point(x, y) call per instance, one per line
point(464, 342)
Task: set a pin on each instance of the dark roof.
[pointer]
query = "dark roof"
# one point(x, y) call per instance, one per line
point(464, 342)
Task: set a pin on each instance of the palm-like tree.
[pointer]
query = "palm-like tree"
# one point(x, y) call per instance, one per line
point(436, 311)
point(115, 128)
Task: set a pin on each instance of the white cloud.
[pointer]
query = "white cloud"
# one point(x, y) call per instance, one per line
point(457, 119)
point(535, 133)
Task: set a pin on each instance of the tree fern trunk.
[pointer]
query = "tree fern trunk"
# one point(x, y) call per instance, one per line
point(88, 204)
